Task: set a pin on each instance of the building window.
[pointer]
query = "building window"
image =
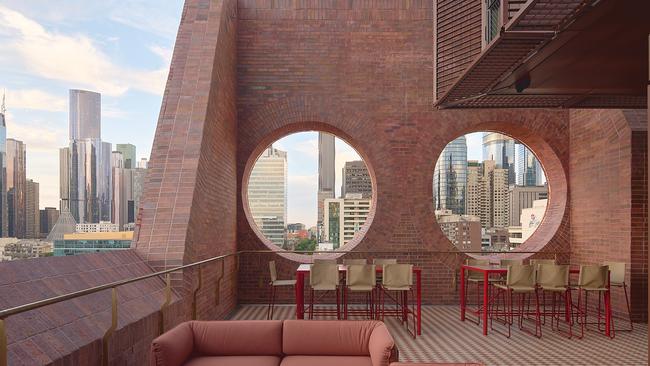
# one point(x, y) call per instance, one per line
point(492, 19)
point(489, 191)
point(309, 191)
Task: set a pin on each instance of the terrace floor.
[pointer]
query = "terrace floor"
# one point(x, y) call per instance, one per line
point(446, 339)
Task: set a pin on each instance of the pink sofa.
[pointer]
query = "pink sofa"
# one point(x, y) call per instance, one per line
point(275, 342)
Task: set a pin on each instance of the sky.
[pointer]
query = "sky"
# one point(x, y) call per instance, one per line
point(121, 49)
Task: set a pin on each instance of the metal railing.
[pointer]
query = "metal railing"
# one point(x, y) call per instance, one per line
point(168, 288)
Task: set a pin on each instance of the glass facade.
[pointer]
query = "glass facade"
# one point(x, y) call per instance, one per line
point(16, 188)
point(501, 149)
point(492, 19)
point(90, 180)
point(85, 115)
point(4, 226)
point(528, 169)
point(128, 155)
point(75, 247)
point(267, 194)
point(450, 177)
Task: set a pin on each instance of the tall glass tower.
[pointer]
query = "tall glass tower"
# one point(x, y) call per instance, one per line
point(501, 149)
point(528, 169)
point(85, 114)
point(16, 188)
point(3, 173)
point(450, 177)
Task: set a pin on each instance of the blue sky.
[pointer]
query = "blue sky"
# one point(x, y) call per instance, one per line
point(121, 49)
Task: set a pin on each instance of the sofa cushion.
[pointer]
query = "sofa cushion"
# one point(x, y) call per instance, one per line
point(326, 361)
point(234, 361)
point(327, 338)
point(237, 338)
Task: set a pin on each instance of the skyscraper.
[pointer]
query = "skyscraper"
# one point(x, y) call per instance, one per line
point(128, 155)
point(49, 216)
point(450, 177)
point(501, 149)
point(4, 227)
point(87, 162)
point(85, 115)
point(528, 170)
point(487, 193)
point(16, 188)
point(326, 167)
point(32, 213)
point(267, 194)
point(356, 179)
point(344, 217)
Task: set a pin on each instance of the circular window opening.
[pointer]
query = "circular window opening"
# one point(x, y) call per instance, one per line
point(310, 191)
point(490, 192)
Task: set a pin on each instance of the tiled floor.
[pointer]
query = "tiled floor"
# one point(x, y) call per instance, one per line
point(446, 339)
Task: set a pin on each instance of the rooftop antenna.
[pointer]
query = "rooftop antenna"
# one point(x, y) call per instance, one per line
point(3, 108)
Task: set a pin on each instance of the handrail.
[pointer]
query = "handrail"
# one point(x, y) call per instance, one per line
point(113, 286)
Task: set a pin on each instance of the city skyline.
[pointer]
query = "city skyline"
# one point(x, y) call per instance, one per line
point(50, 48)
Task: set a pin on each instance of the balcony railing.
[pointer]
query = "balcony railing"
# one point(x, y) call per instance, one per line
point(168, 288)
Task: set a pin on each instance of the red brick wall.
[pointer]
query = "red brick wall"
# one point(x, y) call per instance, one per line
point(364, 72)
point(609, 196)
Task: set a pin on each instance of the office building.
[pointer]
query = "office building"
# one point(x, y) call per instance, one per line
point(27, 248)
point(528, 170)
point(100, 227)
point(16, 188)
point(64, 178)
point(464, 231)
point(267, 194)
point(344, 217)
point(143, 163)
point(83, 243)
point(531, 217)
point(501, 149)
point(450, 177)
point(4, 226)
point(523, 197)
point(49, 217)
point(326, 170)
point(488, 198)
point(32, 212)
point(356, 179)
point(128, 155)
point(295, 227)
point(85, 115)
point(65, 224)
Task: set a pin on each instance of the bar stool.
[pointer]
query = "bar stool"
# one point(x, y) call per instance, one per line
point(520, 280)
point(477, 278)
point(555, 279)
point(324, 261)
point(617, 279)
point(275, 283)
point(591, 279)
point(398, 278)
point(348, 262)
point(360, 278)
point(324, 277)
point(382, 261)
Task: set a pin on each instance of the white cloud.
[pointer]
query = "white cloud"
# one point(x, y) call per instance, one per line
point(307, 147)
point(40, 136)
point(75, 59)
point(152, 16)
point(35, 99)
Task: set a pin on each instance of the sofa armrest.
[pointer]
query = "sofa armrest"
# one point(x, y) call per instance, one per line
point(174, 347)
point(382, 346)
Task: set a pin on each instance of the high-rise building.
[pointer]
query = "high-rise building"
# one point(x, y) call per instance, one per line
point(64, 178)
point(344, 217)
point(126, 191)
point(142, 163)
point(128, 155)
point(487, 198)
point(135, 195)
point(267, 194)
point(464, 231)
point(356, 179)
point(501, 149)
point(450, 177)
point(4, 225)
point(90, 180)
point(16, 188)
point(49, 216)
point(528, 170)
point(523, 197)
point(326, 168)
point(32, 213)
point(85, 115)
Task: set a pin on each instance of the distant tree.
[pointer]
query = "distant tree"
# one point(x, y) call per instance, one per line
point(306, 245)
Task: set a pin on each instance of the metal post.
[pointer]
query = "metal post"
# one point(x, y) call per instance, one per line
point(168, 299)
point(218, 286)
point(112, 328)
point(196, 291)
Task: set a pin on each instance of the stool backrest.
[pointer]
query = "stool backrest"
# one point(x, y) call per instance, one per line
point(521, 275)
point(616, 272)
point(355, 261)
point(382, 261)
point(397, 275)
point(510, 262)
point(536, 262)
point(273, 271)
point(476, 262)
point(361, 275)
point(552, 275)
point(593, 276)
point(324, 274)
point(324, 261)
